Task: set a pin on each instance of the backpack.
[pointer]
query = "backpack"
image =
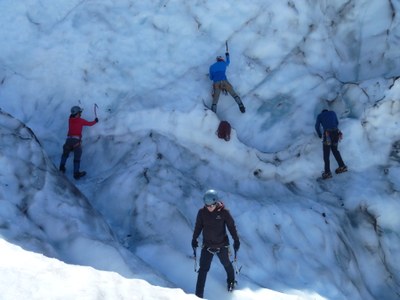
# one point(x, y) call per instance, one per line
point(224, 130)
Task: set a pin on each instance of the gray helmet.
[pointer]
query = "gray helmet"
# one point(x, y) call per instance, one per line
point(210, 197)
point(75, 110)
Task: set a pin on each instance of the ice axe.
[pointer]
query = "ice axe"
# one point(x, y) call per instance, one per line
point(237, 269)
point(95, 106)
point(226, 52)
point(195, 259)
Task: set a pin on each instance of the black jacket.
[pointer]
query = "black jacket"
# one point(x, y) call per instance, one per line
point(214, 224)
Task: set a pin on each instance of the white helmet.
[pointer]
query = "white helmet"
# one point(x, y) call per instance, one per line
point(210, 197)
point(75, 110)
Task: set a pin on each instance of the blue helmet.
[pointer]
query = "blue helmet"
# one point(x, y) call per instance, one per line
point(210, 197)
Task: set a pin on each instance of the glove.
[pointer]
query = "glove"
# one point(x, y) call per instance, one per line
point(226, 53)
point(236, 245)
point(195, 244)
point(97, 120)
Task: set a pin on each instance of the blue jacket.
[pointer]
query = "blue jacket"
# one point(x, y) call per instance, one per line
point(218, 69)
point(328, 120)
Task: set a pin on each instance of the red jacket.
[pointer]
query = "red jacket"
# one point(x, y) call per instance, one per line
point(76, 125)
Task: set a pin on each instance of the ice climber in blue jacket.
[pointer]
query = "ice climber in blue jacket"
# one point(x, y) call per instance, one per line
point(330, 139)
point(221, 83)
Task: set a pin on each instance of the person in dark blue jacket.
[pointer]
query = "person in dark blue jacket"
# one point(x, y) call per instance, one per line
point(330, 139)
point(221, 83)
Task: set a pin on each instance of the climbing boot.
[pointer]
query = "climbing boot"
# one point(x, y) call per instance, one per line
point(62, 169)
point(326, 175)
point(341, 170)
point(78, 175)
point(231, 286)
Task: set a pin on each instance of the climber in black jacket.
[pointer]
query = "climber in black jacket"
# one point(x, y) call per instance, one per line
point(212, 220)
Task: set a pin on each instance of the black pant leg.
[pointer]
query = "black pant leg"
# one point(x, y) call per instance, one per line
point(205, 263)
point(67, 148)
point(326, 150)
point(223, 256)
point(337, 156)
point(334, 148)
